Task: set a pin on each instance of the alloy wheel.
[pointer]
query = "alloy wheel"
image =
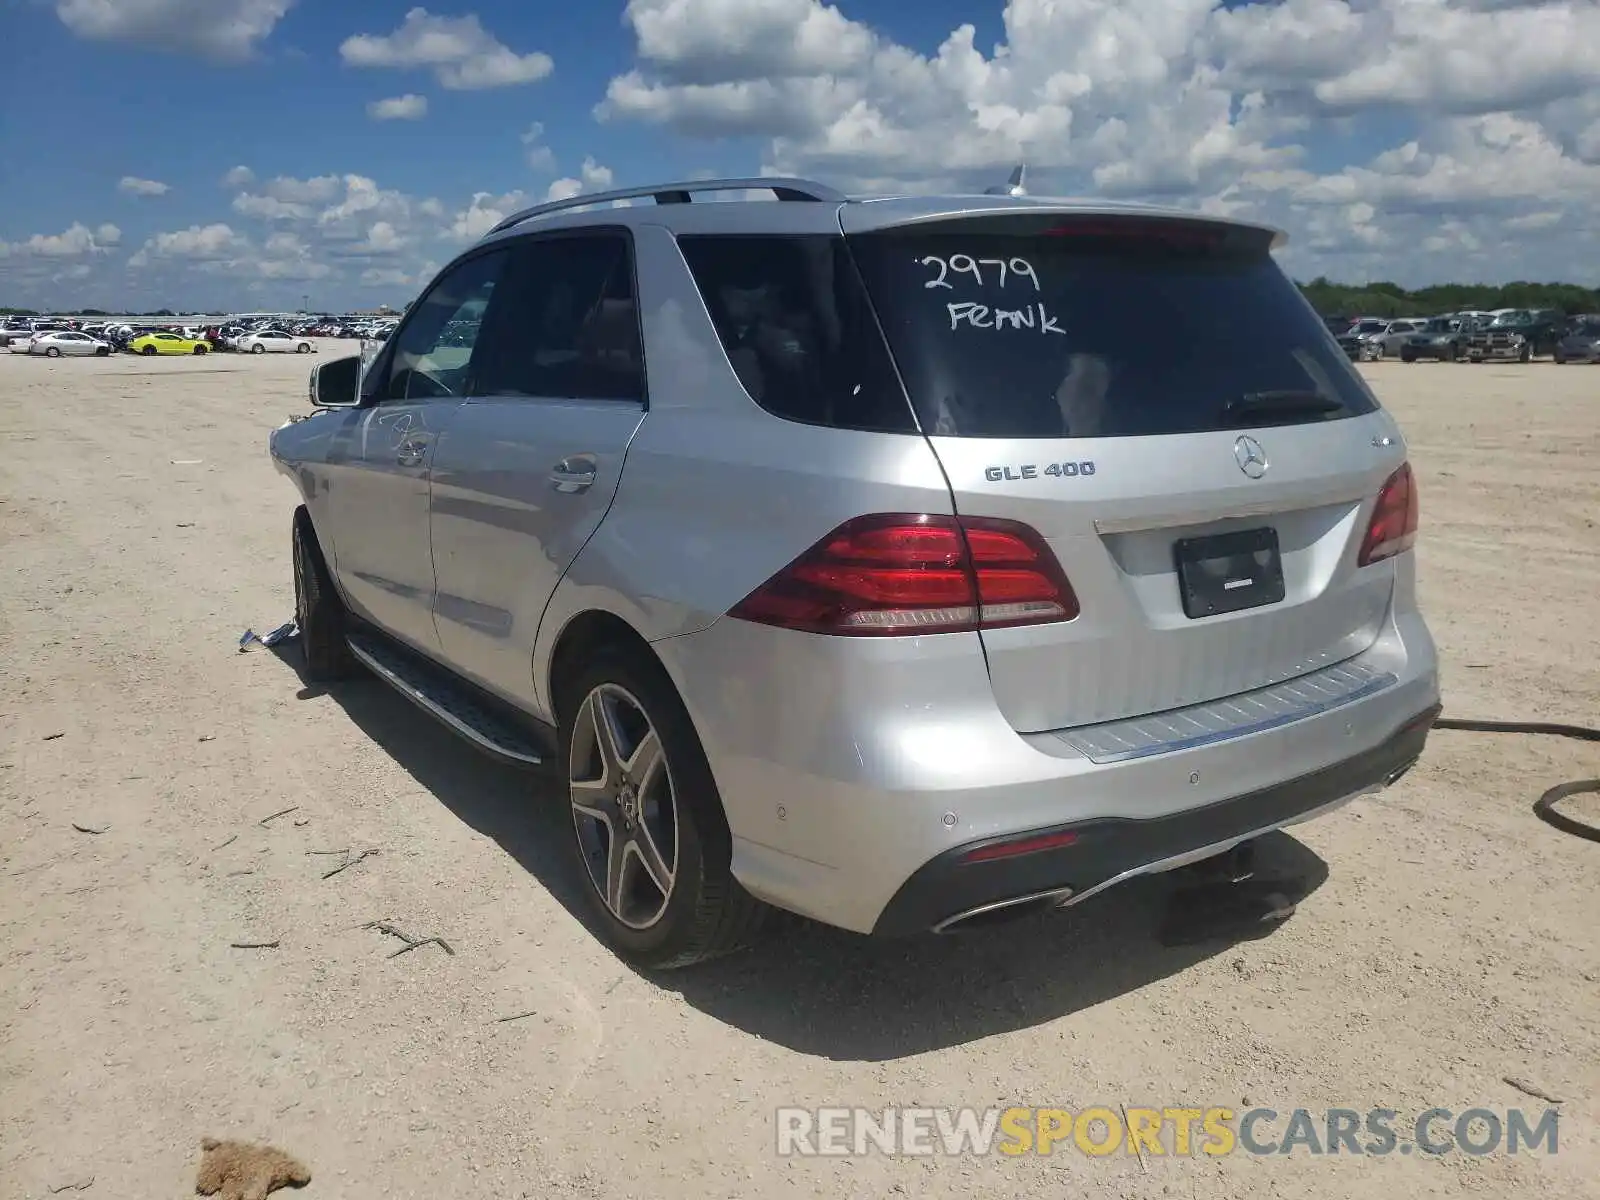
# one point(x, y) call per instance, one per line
point(624, 806)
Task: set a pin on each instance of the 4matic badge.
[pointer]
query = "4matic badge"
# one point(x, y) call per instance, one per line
point(1065, 470)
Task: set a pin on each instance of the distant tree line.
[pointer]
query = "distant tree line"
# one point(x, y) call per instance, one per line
point(1383, 299)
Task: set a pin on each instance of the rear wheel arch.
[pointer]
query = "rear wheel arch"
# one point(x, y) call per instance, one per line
point(585, 635)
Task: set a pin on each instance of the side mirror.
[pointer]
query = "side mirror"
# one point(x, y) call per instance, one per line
point(337, 383)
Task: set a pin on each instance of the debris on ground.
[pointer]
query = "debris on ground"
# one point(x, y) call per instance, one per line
point(1530, 1089)
point(243, 1171)
point(283, 633)
point(350, 860)
point(90, 828)
point(411, 943)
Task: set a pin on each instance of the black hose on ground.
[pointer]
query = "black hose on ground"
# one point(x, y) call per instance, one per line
point(1545, 807)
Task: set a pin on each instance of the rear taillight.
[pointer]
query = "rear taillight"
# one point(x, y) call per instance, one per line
point(1393, 528)
point(903, 573)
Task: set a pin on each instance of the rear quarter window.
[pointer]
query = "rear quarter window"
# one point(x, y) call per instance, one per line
point(798, 329)
point(1121, 330)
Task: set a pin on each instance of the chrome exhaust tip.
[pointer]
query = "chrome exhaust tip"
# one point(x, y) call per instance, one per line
point(1011, 909)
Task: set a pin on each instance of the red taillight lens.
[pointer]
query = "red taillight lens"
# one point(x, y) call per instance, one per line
point(904, 573)
point(1393, 528)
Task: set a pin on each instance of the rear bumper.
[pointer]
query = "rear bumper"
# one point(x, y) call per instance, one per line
point(1109, 850)
point(856, 771)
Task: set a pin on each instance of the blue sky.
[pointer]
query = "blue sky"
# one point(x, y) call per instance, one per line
point(1405, 139)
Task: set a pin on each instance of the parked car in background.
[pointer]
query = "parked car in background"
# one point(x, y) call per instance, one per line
point(1358, 341)
point(167, 343)
point(924, 588)
point(9, 330)
point(1440, 338)
point(1494, 342)
point(274, 341)
point(1541, 328)
point(68, 344)
point(1581, 342)
point(1396, 334)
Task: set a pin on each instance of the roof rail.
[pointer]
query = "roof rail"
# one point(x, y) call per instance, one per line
point(784, 187)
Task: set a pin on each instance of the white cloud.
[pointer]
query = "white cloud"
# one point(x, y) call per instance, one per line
point(317, 190)
point(462, 54)
point(594, 178)
point(364, 203)
point(75, 241)
point(385, 277)
point(285, 198)
point(410, 107)
point(240, 176)
point(485, 211)
point(722, 41)
point(132, 185)
point(223, 29)
point(540, 157)
point(198, 243)
point(284, 244)
point(383, 238)
point(1183, 100)
point(269, 208)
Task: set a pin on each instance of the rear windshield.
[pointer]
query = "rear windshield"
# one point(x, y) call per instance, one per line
point(1113, 330)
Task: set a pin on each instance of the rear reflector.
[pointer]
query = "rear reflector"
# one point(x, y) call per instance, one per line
point(910, 573)
point(1393, 528)
point(1026, 845)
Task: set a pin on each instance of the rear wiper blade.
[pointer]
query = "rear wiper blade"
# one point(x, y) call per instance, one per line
point(1282, 402)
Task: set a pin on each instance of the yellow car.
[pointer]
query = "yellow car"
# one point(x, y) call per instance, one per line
point(168, 343)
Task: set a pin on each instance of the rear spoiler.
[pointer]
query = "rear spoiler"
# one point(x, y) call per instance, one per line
point(873, 216)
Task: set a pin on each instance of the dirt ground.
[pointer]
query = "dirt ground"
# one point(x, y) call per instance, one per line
point(1452, 942)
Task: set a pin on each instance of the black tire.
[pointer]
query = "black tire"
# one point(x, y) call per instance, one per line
point(258, 348)
point(52, 352)
point(303, 348)
point(1526, 354)
point(1408, 356)
point(1450, 352)
point(103, 352)
point(148, 351)
point(707, 914)
point(318, 610)
point(198, 350)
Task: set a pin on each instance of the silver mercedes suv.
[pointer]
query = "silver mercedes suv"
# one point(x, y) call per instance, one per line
point(895, 561)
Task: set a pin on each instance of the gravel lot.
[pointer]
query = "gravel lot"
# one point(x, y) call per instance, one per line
point(1452, 941)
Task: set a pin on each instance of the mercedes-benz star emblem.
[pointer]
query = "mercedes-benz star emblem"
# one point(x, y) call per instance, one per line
point(1252, 459)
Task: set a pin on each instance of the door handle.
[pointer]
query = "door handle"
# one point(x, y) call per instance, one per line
point(411, 453)
point(573, 475)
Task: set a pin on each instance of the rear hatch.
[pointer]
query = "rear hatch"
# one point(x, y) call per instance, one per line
point(1153, 396)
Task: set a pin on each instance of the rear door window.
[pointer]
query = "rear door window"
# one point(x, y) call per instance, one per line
point(1115, 329)
point(565, 323)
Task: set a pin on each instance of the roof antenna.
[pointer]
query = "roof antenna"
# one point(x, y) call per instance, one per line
point(1013, 186)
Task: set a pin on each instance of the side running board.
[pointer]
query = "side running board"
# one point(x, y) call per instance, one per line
point(453, 703)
